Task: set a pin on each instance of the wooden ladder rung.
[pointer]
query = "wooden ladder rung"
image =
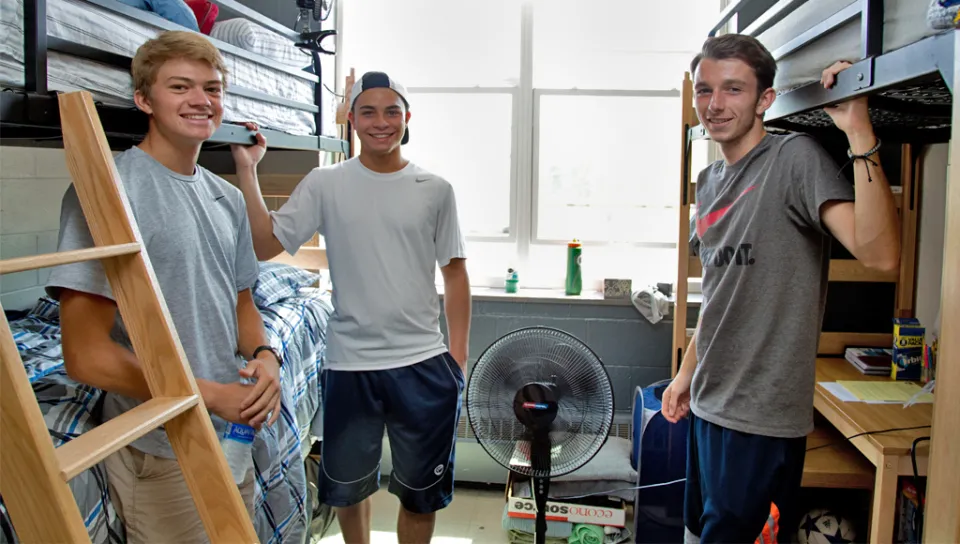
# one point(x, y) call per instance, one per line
point(855, 271)
point(95, 445)
point(34, 262)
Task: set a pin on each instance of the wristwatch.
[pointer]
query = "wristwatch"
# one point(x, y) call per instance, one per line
point(271, 350)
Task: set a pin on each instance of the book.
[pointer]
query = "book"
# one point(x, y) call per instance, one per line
point(870, 361)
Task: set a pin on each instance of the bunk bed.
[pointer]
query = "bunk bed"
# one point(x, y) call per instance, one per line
point(295, 305)
point(277, 81)
point(49, 46)
point(903, 59)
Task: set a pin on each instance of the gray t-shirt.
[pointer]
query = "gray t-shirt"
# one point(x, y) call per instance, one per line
point(765, 255)
point(385, 234)
point(197, 236)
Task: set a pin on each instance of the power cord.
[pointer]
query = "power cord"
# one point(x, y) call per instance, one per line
point(858, 435)
point(913, 457)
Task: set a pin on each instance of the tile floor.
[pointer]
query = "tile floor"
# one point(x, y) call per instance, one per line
point(474, 517)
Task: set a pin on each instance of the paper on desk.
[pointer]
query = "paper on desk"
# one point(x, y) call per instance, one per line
point(884, 391)
point(839, 391)
point(908, 392)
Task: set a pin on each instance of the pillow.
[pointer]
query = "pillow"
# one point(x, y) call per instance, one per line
point(612, 462)
point(176, 11)
point(277, 282)
point(941, 14)
point(252, 37)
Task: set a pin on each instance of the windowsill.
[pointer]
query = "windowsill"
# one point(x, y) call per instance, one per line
point(542, 295)
point(557, 296)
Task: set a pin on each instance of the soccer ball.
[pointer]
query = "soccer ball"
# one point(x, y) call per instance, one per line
point(820, 526)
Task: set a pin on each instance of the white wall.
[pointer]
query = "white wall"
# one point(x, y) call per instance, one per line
point(933, 190)
point(32, 183)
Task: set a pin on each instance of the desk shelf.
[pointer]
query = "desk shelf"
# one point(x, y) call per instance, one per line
point(839, 466)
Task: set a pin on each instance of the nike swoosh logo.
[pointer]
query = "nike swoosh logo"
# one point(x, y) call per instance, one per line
point(421, 180)
point(218, 198)
point(711, 219)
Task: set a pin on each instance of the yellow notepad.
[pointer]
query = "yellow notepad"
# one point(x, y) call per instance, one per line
point(877, 391)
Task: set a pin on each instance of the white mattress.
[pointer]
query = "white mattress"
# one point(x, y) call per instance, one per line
point(905, 22)
point(88, 24)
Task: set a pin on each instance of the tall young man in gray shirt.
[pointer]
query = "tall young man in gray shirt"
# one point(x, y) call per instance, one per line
point(387, 224)
point(765, 216)
point(194, 228)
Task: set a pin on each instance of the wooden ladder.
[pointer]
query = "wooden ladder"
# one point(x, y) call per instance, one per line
point(34, 474)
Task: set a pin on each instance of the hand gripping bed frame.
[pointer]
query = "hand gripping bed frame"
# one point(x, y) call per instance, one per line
point(34, 474)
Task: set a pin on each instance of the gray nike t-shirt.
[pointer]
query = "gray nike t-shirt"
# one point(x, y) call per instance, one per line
point(197, 237)
point(765, 254)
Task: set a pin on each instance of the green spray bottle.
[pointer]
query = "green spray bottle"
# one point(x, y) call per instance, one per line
point(574, 276)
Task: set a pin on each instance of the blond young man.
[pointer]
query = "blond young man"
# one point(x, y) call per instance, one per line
point(195, 229)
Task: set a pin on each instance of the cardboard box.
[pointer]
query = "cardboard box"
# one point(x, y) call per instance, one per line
point(571, 512)
point(908, 340)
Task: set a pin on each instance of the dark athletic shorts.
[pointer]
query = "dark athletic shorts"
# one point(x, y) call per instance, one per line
point(733, 477)
point(419, 405)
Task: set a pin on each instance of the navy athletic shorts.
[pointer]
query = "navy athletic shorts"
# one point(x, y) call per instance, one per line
point(733, 477)
point(420, 407)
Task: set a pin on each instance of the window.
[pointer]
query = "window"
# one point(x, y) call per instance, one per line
point(457, 130)
point(553, 120)
point(623, 190)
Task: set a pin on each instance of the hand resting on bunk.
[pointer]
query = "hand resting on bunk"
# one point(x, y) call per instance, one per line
point(868, 227)
point(851, 116)
point(246, 158)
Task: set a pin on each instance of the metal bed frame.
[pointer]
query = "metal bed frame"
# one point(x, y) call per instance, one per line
point(910, 88)
point(32, 114)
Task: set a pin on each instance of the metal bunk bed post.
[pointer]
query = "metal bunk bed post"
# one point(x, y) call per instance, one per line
point(35, 46)
point(871, 28)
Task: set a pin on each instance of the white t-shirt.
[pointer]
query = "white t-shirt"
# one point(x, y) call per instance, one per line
point(385, 234)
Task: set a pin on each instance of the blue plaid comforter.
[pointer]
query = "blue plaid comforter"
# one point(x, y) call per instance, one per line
point(295, 326)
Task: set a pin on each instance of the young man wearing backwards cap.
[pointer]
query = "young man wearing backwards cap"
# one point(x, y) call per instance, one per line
point(387, 224)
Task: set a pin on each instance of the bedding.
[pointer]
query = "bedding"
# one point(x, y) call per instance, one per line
point(252, 37)
point(296, 326)
point(905, 22)
point(87, 24)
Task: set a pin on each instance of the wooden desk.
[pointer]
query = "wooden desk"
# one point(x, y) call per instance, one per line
point(839, 466)
point(888, 452)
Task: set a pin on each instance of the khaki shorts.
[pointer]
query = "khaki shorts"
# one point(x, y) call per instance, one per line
point(153, 501)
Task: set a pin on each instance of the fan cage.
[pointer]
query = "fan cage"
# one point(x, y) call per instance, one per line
point(538, 354)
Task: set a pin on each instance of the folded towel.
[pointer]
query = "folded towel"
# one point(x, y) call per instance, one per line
point(586, 534)
point(653, 304)
point(616, 535)
point(520, 537)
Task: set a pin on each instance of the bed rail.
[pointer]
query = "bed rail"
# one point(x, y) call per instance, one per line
point(910, 88)
point(753, 17)
point(33, 114)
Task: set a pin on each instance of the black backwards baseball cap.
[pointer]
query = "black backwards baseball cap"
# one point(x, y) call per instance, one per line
point(375, 80)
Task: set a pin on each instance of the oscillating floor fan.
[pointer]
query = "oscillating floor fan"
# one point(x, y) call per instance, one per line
point(541, 404)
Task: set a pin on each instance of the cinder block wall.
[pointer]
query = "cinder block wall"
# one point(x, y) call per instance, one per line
point(32, 183)
point(634, 351)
